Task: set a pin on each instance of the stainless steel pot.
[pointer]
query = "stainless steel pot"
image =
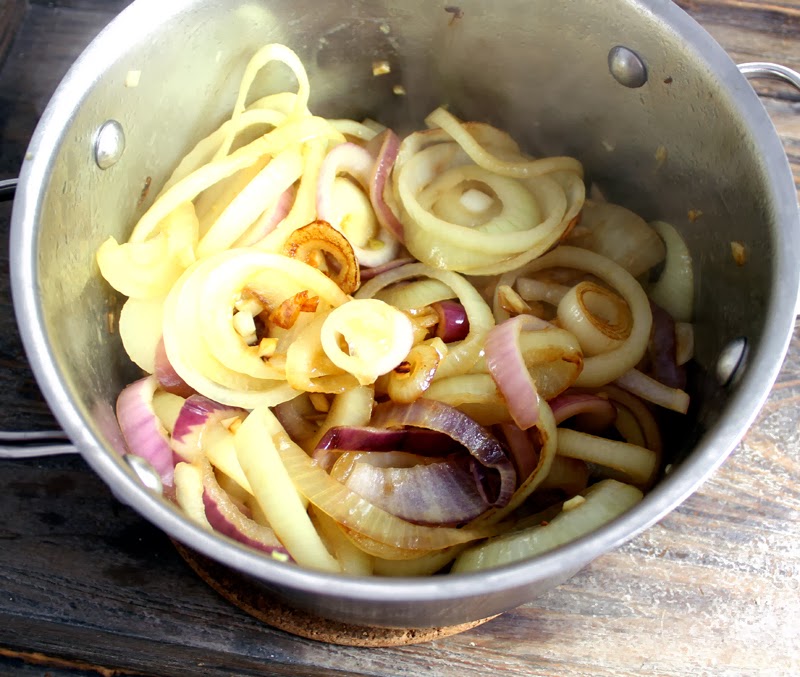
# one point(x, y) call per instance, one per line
point(665, 125)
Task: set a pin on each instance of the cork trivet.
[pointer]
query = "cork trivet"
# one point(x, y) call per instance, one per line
point(276, 614)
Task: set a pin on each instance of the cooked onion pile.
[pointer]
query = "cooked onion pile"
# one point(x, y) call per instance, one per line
point(375, 356)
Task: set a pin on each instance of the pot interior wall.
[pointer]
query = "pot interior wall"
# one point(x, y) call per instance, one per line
point(536, 69)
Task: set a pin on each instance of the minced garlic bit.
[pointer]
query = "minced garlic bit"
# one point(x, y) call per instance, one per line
point(694, 214)
point(661, 156)
point(249, 305)
point(244, 324)
point(132, 79)
point(573, 503)
point(381, 68)
point(739, 253)
point(267, 347)
point(319, 402)
point(399, 90)
point(510, 301)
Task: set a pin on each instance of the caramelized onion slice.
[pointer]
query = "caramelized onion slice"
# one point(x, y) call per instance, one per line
point(310, 244)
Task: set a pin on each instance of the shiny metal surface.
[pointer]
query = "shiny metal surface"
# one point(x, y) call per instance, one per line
point(146, 473)
point(731, 361)
point(109, 144)
point(627, 67)
point(539, 70)
point(7, 189)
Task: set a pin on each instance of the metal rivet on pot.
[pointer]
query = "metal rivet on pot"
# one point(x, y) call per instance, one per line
point(109, 144)
point(627, 67)
point(145, 472)
point(731, 360)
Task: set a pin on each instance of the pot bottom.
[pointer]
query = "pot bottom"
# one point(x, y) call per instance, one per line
point(267, 609)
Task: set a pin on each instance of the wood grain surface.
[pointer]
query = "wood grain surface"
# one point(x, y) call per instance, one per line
point(88, 587)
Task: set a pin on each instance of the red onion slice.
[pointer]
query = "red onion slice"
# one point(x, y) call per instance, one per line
point(197, 413)
point(596, 413)
point(143, 432)
point(269, 220)
point(225, 517)
point(168, 378)
point(453, 322)
point(369, 273)
point(487, 452)
point(524, 453)
point(366, 438)
point(663, 350)
point(441, 494)
point(508, 369)
point(389, 145)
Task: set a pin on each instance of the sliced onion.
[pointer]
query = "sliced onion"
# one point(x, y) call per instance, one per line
point(453, 321)
point(599, 318)
point(476, 395)
point(292, 415)
point(524, 454)
point(225, 517)
point(168, 378)
point(442, 493)
point(508, 369)
point(461, 356)
point(653, 391)
point(569, 475)
point(197, 414)
point(409, 380)
point(542, 439)
point(388, 145)
point(684, 342)
point(663, 350)
point(603, 368)
point(674, 290)
point(605, 501)
point(143, 432)
point(354, 160)
point(538, 290)
point(620, 235)
point(636, 462)
point(596, 413)
point(369, 273)
point(647, 423)
point(269, 220)
point(371, 438)
point(353, 560)
point(311, 243)
point(352, 511)
point(378, 337)
point(425, 565)
point(276, 491)
point(482, 446)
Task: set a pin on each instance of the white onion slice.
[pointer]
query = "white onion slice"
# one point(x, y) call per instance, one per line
point(605, 501)
point(674, 291)
point(654, 391)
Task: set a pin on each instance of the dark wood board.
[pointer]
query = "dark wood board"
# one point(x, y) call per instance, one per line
point(88, 587)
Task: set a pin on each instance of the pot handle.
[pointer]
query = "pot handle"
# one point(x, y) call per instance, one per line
point(772, 71)
point(30, 444)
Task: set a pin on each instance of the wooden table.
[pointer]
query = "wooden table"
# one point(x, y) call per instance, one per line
point(87, 586)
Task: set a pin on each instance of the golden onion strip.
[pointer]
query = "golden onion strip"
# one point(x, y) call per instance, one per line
point(461, 355)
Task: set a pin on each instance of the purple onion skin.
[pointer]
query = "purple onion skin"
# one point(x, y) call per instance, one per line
point(453, 322)
point(662, 350)
point(366, 438)
point(220, 523)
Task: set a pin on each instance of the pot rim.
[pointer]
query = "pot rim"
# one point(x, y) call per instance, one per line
point(130, 28)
